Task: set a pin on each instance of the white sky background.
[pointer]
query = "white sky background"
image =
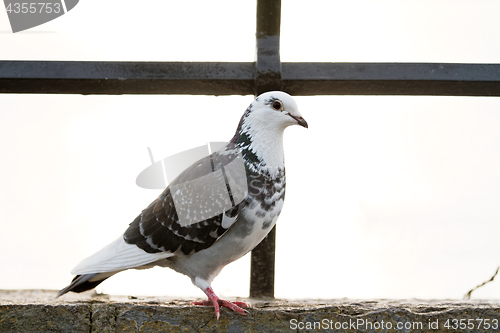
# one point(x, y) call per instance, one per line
point(387, 197)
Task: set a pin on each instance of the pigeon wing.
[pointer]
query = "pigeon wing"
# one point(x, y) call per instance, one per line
point(197, 208)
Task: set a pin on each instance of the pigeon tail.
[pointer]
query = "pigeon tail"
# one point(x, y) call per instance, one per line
point(81, 283)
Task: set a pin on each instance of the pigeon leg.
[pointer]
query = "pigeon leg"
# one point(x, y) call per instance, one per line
point(216, 302)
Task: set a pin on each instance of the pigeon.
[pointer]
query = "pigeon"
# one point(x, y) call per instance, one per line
point(213, 213)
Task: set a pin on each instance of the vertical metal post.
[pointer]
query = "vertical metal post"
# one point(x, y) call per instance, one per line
point(267, 57)
point(268, 77)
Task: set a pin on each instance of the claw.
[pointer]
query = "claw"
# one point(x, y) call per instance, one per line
point(216, 301)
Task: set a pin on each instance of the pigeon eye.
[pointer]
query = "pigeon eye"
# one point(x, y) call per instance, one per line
point(277, 105)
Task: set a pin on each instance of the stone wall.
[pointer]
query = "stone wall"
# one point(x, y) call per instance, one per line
point(39, 311)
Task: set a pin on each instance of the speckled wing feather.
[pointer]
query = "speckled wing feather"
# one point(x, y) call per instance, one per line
point(197, 208)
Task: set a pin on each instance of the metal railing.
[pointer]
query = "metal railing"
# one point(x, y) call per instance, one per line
point(266, 73)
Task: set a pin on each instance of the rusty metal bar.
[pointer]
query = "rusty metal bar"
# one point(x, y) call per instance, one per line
point(268, 77)
point(115, 78)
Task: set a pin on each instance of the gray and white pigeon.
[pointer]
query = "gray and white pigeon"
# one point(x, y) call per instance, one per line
point(213, 213)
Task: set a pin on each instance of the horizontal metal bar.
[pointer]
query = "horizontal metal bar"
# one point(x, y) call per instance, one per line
point(115, 78)
point(204, 78)
point(391, 79)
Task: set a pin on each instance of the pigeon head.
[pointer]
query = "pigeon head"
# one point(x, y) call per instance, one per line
point(260, 132)
point(274, 110)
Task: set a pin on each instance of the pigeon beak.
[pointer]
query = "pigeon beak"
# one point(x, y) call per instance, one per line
point(301, 121)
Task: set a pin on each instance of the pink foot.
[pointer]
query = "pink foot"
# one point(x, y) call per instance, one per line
point(216, 301)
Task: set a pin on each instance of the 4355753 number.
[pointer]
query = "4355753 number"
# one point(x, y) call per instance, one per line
point(33, 8)
point(478, 323)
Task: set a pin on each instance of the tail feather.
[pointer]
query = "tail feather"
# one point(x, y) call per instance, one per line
point(81, 283)
point(116, 257)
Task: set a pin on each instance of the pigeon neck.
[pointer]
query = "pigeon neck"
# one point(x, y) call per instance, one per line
point(262, 147)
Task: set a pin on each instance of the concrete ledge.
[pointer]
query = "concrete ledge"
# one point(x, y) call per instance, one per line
point(38, 311)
